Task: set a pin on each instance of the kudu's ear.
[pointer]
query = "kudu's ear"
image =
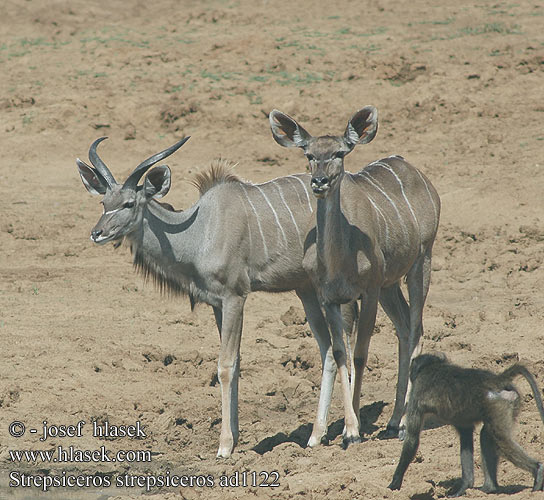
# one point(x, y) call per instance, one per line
point(286, 131)
point(92, 180)
point(362, 127)
point(157, 182)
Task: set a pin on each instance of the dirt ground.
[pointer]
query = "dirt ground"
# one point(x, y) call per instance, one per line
point(459, 89)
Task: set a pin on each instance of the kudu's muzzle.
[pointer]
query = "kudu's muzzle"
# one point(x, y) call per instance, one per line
point(320, 184)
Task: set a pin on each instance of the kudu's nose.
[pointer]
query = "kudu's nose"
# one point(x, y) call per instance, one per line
point(320, 182)
point(95, 234)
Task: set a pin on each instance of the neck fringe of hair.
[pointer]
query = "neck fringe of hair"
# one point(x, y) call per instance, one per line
point(164, 282)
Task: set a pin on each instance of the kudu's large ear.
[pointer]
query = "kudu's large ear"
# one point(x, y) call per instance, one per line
point(92, 180)
point(157, 182)
point(286, 131)
point(362, 127)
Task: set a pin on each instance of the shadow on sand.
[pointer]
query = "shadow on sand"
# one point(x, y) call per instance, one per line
point(368, 414)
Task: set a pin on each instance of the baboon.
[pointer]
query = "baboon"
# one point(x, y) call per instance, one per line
point(463, 397)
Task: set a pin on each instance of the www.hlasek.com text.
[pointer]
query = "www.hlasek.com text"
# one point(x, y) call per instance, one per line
point(65, 454)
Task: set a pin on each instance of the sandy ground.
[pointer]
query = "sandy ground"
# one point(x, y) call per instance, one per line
point(459, 89)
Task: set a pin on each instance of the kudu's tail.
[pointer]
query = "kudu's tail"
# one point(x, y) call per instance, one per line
point(519, 369)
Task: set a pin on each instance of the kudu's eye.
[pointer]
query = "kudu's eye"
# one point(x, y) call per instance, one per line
point(128, 204)
point(310, 157)
point(338, 154)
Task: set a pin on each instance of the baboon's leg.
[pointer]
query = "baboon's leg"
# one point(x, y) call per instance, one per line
point(395, 306)
point(414, 423)
point(490, 460)
point(512, 451)
point(467, 460)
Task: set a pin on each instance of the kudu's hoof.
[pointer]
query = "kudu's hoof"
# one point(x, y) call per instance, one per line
point(224, 451)
point(394, 485)
point(390, 432)
point(350, 440)
point(459, 493)
point(489, 489)
point(539, 478)
point(315, 441)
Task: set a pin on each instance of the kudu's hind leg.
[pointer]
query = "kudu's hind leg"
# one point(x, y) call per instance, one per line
point(218, 314)
point(396, 308)
point(418, 280)
point(229, 371)
point(350, 315)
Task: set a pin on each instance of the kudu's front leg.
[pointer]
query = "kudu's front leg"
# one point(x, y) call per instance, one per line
point(365, 328)
point(319, 327)
point(334, 319)
point(228, 372)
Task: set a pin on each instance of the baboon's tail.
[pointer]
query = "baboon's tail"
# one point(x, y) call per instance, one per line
point(519, 369)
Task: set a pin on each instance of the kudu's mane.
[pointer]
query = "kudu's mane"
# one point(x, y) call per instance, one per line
point(219, 172)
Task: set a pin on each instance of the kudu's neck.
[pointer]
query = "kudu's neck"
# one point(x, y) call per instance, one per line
point(331, 230)
point(166, 237)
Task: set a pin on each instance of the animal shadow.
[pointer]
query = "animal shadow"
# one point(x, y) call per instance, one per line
point(368, 415)
point(451, 485)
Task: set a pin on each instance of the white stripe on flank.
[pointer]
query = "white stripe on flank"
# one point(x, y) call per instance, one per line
point(248, 226)
point(275, 214)
point(366, 176)
point(430, 196)
point(305, 190)
point(290, 213)
point(296, 191)
point(377, 208)
point(389, 169)
point(258, 222)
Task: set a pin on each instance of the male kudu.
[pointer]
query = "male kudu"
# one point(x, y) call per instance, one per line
point(372, 228)
point(237, 238)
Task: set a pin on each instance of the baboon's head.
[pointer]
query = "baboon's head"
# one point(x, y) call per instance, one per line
point(424, 360)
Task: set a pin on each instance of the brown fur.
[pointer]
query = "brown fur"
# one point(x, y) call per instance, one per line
point(462, 397)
